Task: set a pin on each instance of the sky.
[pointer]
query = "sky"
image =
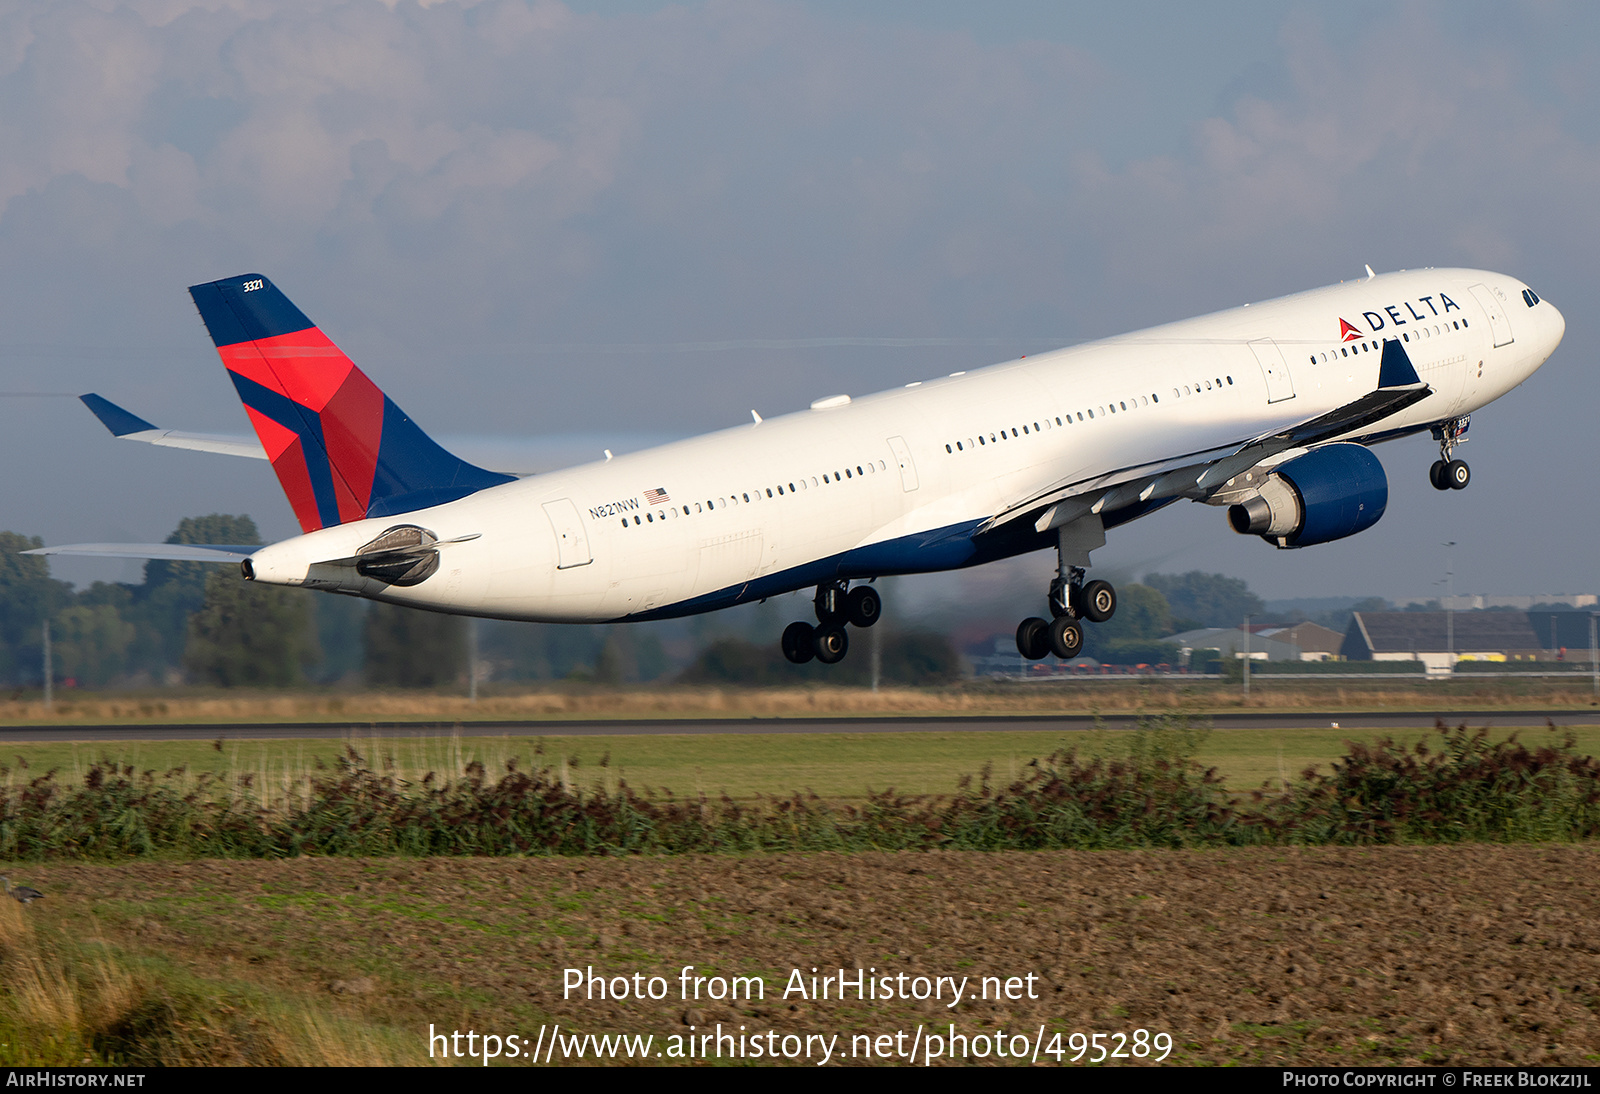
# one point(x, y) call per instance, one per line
point(631, 220)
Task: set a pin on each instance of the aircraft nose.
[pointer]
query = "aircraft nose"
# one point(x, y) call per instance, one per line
point(1558, 326)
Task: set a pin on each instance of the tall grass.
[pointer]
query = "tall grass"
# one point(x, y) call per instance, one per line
point(74, 1002)
point(1142, 789)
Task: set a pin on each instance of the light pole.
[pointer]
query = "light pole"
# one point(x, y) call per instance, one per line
point(1450, 604)
point(1594, 654)
point(49, 671)
point(1247, 658)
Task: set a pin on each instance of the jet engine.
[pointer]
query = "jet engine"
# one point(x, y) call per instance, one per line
point(1329, 493)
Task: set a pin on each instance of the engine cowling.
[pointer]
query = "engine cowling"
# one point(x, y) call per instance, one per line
point(1329, 493)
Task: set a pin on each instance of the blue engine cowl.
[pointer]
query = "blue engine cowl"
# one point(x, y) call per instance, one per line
point(1329, 493)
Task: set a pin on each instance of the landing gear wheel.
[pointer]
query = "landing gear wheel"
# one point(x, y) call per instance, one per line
point(1066, 638)
point(831, 644)
point(1457, 474)
point(1033, 638)
point(1436, 475)
point(799, 643)
point(1099, 602)
point(862, 606)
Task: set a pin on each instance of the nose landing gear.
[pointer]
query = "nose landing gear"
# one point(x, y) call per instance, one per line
point(1448, 473)
point(836, 605)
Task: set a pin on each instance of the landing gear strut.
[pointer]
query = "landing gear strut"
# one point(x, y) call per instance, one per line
point(836, 606)
point(1070, 597)
point(1448, 473)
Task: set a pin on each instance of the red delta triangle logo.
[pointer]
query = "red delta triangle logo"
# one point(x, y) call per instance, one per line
point(1348, 333)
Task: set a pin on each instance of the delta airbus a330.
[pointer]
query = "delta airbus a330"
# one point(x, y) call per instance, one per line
point(1267, 410)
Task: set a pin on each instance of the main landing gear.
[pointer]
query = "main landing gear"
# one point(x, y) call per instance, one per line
point(1448, 473)
point(836, 606)
point(1071, 598)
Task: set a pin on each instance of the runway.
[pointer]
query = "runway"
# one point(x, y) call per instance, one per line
point(1342, 720)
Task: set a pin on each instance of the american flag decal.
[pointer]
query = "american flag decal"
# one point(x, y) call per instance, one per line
point(656, 497)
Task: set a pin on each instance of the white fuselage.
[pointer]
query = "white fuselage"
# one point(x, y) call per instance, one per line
point(897, 482)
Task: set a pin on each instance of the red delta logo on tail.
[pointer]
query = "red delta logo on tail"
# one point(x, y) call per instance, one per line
point(341, 448)
point(1349, 332)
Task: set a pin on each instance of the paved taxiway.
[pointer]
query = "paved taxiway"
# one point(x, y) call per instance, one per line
point(628, 726)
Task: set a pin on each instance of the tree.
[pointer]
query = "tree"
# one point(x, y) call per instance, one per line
point(411, 648)
point(89, 644)
point(173, 591)
point(1130, 637)
point(28, 596)
point(248, 634)
point(1206, 600)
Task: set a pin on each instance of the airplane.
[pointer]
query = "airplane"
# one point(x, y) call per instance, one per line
point(1267, 410)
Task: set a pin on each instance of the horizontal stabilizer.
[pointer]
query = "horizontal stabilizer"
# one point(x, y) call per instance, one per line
point(178, 552)
point(128, 426)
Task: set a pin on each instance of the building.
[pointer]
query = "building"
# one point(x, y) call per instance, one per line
point(1315, 642)
point(1230, 642)
point(1440, 639)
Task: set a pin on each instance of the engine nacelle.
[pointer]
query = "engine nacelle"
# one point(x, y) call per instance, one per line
point(1329, 493)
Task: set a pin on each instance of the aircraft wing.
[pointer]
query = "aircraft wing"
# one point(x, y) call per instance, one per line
point(178, 552)
point(1202, 475)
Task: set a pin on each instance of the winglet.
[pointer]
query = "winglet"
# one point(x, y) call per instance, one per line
point(1370, 274)
point(1396, 369)
point(113, 417)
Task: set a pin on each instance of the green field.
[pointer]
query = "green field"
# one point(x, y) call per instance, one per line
point(831, 765)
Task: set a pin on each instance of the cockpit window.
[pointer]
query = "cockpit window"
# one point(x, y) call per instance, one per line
point(1529, 297)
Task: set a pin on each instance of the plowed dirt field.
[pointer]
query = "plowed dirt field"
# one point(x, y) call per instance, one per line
point(1459, 955)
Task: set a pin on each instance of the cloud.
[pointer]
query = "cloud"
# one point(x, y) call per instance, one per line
point(456, 189)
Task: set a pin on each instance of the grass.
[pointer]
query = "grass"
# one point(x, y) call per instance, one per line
point(968, 699)
point(1143, 788)
point(70, 1000)
point(836, 766)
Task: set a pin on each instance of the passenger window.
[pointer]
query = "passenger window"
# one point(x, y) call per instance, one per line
point(649, 518)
